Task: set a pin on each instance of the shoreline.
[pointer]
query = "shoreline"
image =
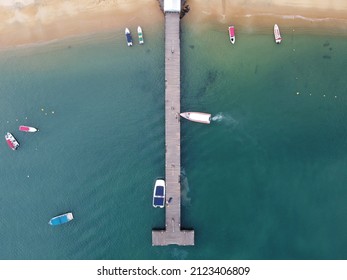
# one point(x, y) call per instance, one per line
point(37, 23)
point(29, 22)
point(259, 16)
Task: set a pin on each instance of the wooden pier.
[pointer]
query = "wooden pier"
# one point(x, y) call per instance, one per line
point(172, 234)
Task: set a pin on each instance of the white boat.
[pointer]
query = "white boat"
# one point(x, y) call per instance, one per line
point(232, 34)
point(159, 193)
point(128, 36)
point(197, 117)
point(27, 128)
point(140, 34)
point(11, 141)
point(277, 34)
point(61, 219)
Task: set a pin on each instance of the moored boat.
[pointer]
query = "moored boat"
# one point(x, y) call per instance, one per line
point(27, 128)
point(197, 117)
point(159, 193)
point(61, 219)
point(140, 34)
point(232, 34)
point(128, 36)
point(11, 141)
point(277, 34)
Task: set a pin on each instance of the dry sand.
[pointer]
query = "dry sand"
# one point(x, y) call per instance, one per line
point(35, 21)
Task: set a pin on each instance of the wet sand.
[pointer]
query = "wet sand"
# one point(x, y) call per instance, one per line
point(303, 16)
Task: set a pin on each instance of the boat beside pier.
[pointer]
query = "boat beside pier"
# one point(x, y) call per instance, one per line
point(173, 233)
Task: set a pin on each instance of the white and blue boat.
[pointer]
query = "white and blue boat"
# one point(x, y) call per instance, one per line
point(61, 219)
point(159, 194)
point(128, 36)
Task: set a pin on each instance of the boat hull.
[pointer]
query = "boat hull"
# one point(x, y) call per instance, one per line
point(232, 34)
point(140, 35)
point(128, 37)
point(277, 34)
point(197, 117)
point(27, 128)
point(61, 219)
point(159, 194)
point(11, 141)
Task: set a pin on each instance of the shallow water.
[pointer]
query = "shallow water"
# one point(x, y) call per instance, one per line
point(265, 180)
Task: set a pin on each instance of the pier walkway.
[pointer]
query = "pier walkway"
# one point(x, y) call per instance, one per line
point(173, 234)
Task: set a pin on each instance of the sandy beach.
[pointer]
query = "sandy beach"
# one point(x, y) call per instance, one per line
point(29, 21)
point(312, 16)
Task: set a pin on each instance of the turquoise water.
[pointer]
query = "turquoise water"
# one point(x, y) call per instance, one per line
point(266, 180)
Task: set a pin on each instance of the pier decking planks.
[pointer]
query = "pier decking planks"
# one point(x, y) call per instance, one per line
point(172, 233)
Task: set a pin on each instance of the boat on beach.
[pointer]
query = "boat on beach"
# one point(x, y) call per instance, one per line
point(11, 141)
point(140, 34)
point(159, 194)
point(277, 34)
point(232, 34)
point(197, 117)
point(27, 128)
point(128, 37)
point(61, 219)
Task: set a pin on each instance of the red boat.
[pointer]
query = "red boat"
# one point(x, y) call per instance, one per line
point(27, 128)
point(11, 141)
point(232, 34)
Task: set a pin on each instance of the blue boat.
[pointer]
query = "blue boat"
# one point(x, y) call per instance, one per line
point(61, 219)
point(129, 38)
point(159, 194)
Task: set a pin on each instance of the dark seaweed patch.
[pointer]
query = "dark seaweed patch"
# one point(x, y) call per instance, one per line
point(210, 80)
point(326, 44)
point(191, 46)
point(326, 56)
point(212, 76)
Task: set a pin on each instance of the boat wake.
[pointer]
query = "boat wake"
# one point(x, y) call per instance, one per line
point(225, 118)
point(217, 118)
